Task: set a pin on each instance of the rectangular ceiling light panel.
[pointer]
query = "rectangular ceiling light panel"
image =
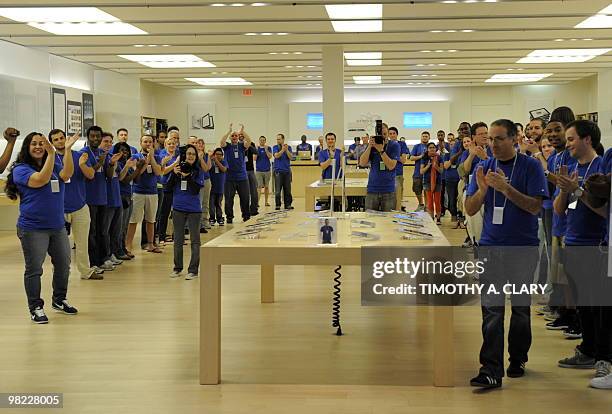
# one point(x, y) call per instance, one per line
point(220, 81)
point(367, 80)
point(601, 20)
point(169, 61)
point(349, 17)
point(562, 55)
point(517, 77)
point(363, 58)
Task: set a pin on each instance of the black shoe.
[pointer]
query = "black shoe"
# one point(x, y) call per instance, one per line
point(277, 208)
point(255, 213)
point(558, 324)
point(230, 220)
point(38, 316)
point(65, 308)
point(221, 222)
point(516, 369)
point(486, 381)
point(203, 230)
point(289, 208)
point(572, 332)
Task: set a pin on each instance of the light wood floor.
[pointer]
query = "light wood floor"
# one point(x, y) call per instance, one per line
point(133, 348)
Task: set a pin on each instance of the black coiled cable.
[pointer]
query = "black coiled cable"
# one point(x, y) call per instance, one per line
point(336, 301)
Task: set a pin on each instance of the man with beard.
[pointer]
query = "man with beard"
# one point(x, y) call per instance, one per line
point(535, 129)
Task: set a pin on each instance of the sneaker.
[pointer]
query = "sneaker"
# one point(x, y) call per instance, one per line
point(203, 230)
point(516, 369)
point(438, 221)
point(191, 276)
point(602, 369)
point(175, 274)
point(557, 325)
point(96, 276)
point(578, 361)
point(108, 266)
point(230, 221)
point(38, 316)
point(64, 307)
point(89, 273)
point(544, 310)
point(552, 316)
point(572, 333)
point(113, 259)
point(602, 383)
point(221, 223)
point(486, 381)
point(124, 257)
point(98, 270)
point(467, 244)
point(211, 222)
point(207, 225)
point(277, 208)
point(289, 208)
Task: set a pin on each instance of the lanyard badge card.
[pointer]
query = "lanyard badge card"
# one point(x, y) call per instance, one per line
point(183, 185)
point(55, 186)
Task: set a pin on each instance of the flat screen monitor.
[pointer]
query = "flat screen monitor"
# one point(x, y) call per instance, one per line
point(418, 120)
point(314, 120)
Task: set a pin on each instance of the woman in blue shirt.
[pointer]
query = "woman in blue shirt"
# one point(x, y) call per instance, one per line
point(38, 181)
point(185, 182)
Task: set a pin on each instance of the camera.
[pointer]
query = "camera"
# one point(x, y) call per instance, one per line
point(185, 167)
point(378, 137)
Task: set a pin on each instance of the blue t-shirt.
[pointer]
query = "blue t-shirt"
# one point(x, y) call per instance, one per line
point(399, 168)
point(324, 156)
point(519, 228)
point(584, 226)
point(75, 193)
point(555, 162)
point(427, 175)
point(283, 163)
point(205, 174)
point(95, 188)
point(381, 179)
point(418, 149)
point(475, 161)
point(450, 174)
point(184, 200)
point(124, 189)
point(236, 160)
point(217, 178)
point(163, 179)
point(147, 182)
point(352, 147)
point(606, 168)
point(263, 162)
point(39, 208)
point(304, 147)
point(113, 189)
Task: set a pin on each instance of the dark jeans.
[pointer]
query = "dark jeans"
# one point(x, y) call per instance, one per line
point(282, 182)
point(547, 251)
point(97, 238)
point(514, 265)
point(35, 246)
point(179, 219)
point(242, 188)
point(254, 205)
point(112, 229)
point(215, 211)
point(126, 201)
point(164, 214)
point(380, 201)
point(452, 193)
point(443, 206)
point(586, 269)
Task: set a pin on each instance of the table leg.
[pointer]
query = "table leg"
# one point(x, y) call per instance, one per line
point(210, 321)
point(443, 355)
point(267, 283)
point(309, 199)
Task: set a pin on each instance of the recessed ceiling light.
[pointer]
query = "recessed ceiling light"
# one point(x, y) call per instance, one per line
point(219, 81)
point(89, 29)
point(273, 53)
point(439, 51)
point(266, 34)
point(218, 4)
point(587, 39)
point(165, 45)
point(452, 50)
point(468, 31)
point(367, 80)
point(470, 1)
point(449, 1)
point(363, 58)
point(138, 45)
point(517, 77)
point(562, 55)
point(152, 45)
point(319, 76)
point(425, 51)
point(282, 34)
point(311, 66)
point(420, 64)
point(558, 40)
point(289, 66)
point(169, 61)
point(297, 53)
point(250, 34)
point(259, 4)
point(601, 20)
point(436, 31)
point(284, 53)
point(346, 18)
point(299, 66)
point(451, 31)
point(237, 4)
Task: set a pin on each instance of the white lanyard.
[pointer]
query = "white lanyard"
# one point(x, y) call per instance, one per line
point(559, 164)
point(586, 174)
point(509, 181)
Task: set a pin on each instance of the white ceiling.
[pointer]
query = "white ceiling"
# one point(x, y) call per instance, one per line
point(504, 32)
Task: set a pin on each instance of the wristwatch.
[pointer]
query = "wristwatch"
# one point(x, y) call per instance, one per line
point(578, 192)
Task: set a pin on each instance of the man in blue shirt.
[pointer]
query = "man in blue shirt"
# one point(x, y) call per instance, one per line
point(305, 146)
point(352, 148)
point(282, 172)
point(443, 149)
point(319, 148)
point(122, 136)
point(399, 168)
point(418, 152)
point(329, 156)
point(585, 232)
point(237, 180)
point(262, 167)
point(511, 187)
point(383, 159)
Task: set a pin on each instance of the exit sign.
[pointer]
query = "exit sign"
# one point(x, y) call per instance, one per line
point(247, 92)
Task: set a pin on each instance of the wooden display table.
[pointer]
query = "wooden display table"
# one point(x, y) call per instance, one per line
point(353, 187)
point(271, 250)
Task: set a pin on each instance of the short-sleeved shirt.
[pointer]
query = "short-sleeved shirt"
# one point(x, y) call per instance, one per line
point(147, 182)
point(324, 156)
point(305, 147)
point(263, 162)
point(161, 154)
point(327, 233)
point(75, 196)
point(519, 227)
point(39, 208)
point(450, 174)
point(555, 162)
point(283, 163)
point(584, 226)
point(418, 149)
point(399, 168)
point(184, 200)
point(206, 174)
point(381, 179)
point(217, 178)
point(251, 151)
point(475, 161)
point(95, 188)
point(125, 189)
point(606, 168)
point(113, 188)
point(235, 156)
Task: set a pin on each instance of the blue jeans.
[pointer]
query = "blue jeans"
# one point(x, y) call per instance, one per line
point(35, 245)
point(380, 201)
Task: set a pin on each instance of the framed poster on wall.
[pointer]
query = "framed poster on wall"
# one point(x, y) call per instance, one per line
point(58, 108)
point(88, 112)
point(75, 120)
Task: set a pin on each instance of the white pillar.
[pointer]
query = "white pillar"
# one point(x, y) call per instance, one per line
point(333, 91)
point(604, 106)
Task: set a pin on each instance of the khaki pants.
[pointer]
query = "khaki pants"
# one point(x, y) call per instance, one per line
point(399, 191)
point(79, 228)
point(205, 201)
point(557, 272)
point(473, 223)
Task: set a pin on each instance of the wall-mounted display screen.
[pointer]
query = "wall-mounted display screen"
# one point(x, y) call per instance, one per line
point(314, 120)
point(418, 120)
